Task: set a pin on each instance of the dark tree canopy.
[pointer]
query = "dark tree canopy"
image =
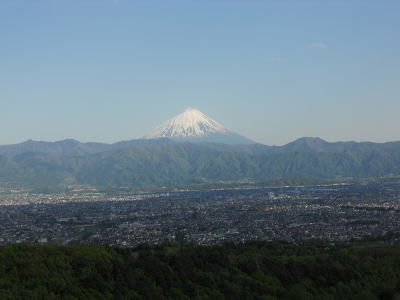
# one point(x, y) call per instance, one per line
point(256, 270)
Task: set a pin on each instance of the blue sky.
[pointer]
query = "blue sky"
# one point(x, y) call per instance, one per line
point(110, 70)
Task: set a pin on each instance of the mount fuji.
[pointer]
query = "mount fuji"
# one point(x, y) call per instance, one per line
point(194, 126)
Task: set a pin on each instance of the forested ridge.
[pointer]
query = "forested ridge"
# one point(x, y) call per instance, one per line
point(255, 270)
point(154, 164)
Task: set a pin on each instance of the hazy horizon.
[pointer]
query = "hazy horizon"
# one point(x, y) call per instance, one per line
point(111, 70)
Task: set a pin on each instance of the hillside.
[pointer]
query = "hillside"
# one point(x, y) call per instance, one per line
point(256, 270)
point(157, 163)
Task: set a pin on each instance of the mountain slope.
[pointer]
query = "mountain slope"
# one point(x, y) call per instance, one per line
point(173, 164)
point(194, 126)
point(70, 147)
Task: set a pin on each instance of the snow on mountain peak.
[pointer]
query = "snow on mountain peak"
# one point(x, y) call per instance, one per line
point(190, 123)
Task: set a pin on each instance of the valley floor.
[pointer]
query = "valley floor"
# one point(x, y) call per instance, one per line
point(334, 213)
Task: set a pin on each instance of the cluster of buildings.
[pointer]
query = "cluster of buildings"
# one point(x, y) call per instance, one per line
point(332, 213)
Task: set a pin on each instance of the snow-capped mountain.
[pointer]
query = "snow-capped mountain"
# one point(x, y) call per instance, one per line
point(193, 125)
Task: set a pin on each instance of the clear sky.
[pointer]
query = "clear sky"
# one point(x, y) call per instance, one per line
point(110, 70)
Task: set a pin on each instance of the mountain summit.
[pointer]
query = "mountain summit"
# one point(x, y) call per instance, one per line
point(192, 125)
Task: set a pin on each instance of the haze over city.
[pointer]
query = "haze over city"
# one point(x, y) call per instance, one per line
point(272, 71)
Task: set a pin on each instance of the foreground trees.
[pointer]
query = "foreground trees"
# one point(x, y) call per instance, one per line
point(256, 270)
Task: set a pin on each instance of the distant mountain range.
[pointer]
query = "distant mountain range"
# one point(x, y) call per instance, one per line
point(162, 162)
point(192, 149)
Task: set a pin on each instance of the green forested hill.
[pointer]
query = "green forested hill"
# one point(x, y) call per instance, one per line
point(256, 270)
point(173, 164)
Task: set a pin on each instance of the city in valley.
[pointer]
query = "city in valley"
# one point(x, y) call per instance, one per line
point(332, 213)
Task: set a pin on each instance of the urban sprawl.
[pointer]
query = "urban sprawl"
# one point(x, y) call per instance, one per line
point(333, 213)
